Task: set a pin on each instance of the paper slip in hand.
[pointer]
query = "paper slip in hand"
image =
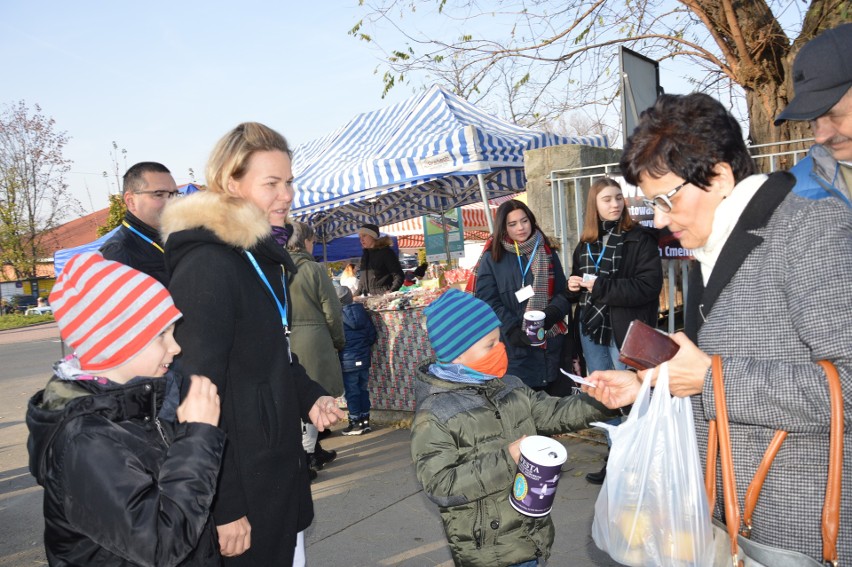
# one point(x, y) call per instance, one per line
point(577, 379)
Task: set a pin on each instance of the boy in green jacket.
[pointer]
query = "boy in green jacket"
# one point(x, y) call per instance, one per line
point(466, 434)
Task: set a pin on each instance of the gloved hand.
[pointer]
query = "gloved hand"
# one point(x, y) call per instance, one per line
point(552, 315)
point(518, 338)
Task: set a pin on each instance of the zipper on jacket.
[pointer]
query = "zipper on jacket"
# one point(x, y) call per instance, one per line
point(156, 418)
point(477, 533)
point(160, 431)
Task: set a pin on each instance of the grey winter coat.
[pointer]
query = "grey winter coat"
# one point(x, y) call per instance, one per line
point(316, 331)
point(459, 444)
point(777, 301)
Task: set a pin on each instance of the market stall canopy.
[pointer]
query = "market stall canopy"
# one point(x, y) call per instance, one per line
point(61, 257)
point(423, 155)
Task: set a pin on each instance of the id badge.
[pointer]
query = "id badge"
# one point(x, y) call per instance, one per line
point(524, 293)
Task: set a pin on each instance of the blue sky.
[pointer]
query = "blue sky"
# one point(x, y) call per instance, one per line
point(165, 80)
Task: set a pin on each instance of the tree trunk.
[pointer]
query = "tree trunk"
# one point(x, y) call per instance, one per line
point(759, 57)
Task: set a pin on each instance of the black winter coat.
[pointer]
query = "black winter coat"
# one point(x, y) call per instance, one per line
point(232, 332)
point(130, 249)
point(634, 291)
point(360, 336)
point(114, 492)
point(381, 271)
point(496, 284)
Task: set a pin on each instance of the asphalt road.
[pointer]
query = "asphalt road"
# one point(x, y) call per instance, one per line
point(369, 509)
point(26, 357)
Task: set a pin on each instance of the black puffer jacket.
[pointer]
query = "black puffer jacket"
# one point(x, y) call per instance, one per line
point(231, 332)
point(381, 271)
point(130, 249)
point(116, 491)
point(634, 291)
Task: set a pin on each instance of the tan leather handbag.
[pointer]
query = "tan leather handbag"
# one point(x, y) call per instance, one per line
point(733, 546)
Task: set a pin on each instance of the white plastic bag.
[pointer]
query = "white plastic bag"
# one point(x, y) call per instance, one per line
point(652, 508)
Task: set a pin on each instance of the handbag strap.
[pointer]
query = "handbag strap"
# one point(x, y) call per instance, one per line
point(831, 507)
point(719, 428)
point(729, 483)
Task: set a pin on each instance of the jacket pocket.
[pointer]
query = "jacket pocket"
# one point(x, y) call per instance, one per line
point(267, 415)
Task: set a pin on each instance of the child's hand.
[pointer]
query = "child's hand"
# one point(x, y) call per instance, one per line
point(515, 448)
point(201, 404)
point(325, 413)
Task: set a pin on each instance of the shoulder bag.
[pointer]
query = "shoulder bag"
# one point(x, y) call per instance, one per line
point(736, 549)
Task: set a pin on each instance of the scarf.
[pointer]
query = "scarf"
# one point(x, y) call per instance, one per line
point(607, 252)
point(458, 373)
point(541, 268)
point(282, 234)
point(725, 217)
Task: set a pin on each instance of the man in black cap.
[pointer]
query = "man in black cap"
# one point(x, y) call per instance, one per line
point(822, 79)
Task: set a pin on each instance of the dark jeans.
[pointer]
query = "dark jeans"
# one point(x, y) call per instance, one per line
point(356, 392)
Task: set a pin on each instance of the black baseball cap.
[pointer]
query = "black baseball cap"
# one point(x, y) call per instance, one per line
point(822, 73)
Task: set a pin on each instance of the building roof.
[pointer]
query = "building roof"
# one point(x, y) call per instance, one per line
point(74, 233)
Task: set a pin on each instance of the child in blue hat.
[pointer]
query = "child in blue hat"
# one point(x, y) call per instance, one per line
point(465, 439)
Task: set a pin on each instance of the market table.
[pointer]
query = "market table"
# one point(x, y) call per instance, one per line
point(401, 345)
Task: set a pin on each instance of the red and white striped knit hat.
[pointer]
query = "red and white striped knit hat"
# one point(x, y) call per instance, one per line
point(108, 312)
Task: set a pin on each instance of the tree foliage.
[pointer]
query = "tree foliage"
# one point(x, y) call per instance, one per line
point(117, 208)
point(34, 197)
point(534, 61)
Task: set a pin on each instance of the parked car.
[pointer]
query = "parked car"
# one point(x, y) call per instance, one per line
point(20, 303)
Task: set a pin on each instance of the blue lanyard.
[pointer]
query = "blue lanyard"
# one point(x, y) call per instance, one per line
point(600, 256)
point(529, 263)
point(142, 236)
point(281, 309)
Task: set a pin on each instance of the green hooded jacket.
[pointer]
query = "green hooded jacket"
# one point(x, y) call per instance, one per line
point(459, 445)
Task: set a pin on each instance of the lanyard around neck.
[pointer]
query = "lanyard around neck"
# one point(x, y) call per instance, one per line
point(600, 256)
point(529, 263)
point(281, 310)
point(142, 236)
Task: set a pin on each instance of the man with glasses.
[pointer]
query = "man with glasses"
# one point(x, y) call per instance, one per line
point(146, 189)
point(822, 79)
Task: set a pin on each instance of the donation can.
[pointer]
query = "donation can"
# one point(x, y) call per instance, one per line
point(538, 473)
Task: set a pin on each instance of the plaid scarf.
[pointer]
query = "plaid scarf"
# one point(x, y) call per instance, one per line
point(542, 271)
point(596, 321)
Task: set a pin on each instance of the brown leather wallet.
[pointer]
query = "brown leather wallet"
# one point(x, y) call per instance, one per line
point(646, 347)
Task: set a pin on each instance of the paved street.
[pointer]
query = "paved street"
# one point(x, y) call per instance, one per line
point(370, 510)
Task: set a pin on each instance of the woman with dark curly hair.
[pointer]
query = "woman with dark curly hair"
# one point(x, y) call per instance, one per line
point(769, 294)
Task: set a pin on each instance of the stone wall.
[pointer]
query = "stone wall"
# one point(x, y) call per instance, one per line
point(538, 165)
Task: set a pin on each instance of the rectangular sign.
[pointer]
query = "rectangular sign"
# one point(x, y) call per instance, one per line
point(434, 229)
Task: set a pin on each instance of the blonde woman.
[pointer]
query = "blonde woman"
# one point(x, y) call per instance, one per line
point(228, 280)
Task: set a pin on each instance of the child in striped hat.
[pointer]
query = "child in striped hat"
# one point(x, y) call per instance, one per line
point(122, 486)
point(465, 438)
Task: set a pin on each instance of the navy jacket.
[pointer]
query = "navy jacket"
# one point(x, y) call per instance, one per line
point(360, 336)
point(132, 250)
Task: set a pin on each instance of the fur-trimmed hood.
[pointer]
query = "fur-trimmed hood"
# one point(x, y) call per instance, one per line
point(234, 221)
point(383, 242)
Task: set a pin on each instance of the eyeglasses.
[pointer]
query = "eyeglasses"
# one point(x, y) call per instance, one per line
point(663, 202)
point(159, 193)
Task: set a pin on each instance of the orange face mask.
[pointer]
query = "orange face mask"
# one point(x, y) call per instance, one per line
point(495, 363)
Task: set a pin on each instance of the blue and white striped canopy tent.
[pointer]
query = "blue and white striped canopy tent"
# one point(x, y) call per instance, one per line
point(428, 154)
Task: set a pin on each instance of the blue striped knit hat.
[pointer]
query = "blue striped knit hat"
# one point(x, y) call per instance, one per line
point(455, 321)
